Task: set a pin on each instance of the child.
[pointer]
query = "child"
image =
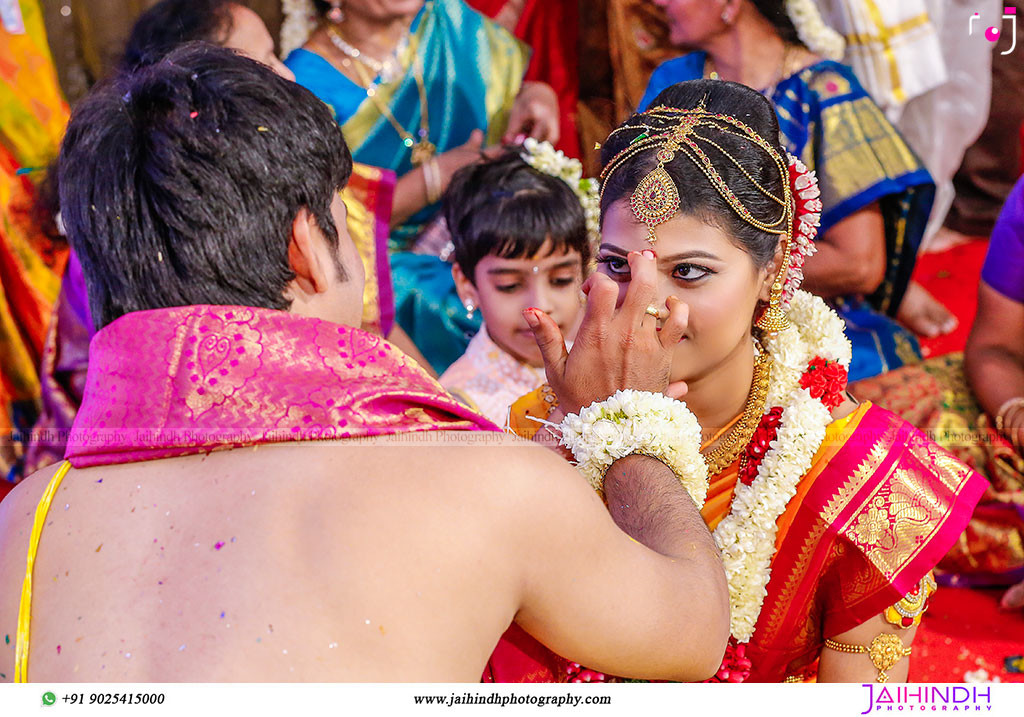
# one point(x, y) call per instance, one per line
point(522, 226)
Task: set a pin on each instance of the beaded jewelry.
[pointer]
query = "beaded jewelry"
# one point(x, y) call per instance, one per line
point(656, 198)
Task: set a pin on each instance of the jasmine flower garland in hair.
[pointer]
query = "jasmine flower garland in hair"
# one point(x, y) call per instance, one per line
point(812, 30)
point(298, 24)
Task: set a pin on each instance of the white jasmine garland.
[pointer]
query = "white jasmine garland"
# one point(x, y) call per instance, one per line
point(819, 37)
point(298, 24)
point(746, 537)
point(637, 422)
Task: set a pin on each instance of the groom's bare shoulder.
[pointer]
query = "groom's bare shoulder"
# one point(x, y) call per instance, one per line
point(18, 508)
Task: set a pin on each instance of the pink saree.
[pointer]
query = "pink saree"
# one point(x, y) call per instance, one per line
point(180, 381)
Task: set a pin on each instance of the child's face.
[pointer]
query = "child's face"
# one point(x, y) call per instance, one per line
point(504, 288)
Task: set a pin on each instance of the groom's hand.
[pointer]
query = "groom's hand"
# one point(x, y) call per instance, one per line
point(614, 349)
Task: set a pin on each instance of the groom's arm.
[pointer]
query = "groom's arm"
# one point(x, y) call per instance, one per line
point(637, 593)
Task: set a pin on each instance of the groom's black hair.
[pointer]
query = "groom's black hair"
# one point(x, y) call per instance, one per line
point(180, 182)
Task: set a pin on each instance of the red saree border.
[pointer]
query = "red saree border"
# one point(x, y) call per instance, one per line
point(374, 189)
point(887, 486)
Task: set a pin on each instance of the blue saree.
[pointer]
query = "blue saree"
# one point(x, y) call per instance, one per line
point(472, 71)
point(828, 120)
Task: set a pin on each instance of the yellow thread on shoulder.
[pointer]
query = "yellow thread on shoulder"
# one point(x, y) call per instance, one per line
point(25, 607)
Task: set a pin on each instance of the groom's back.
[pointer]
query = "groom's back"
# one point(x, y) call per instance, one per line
point(318, 561)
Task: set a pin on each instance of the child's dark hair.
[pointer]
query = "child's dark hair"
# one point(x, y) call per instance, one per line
point(504, 207)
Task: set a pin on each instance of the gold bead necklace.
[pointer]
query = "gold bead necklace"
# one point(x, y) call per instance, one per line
point(735, 442)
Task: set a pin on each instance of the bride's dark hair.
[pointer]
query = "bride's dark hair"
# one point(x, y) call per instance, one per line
point(697, 196)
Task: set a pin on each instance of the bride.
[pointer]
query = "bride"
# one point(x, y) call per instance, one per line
point(829, 514)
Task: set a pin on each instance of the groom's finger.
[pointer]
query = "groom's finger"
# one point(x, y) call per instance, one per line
point(674, 327)
point(602, 295)
point(677, 390)
point(549, 340)
point(642, 287)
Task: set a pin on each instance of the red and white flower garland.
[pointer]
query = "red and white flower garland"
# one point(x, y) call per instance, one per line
point(808, 379)
point(807, 217)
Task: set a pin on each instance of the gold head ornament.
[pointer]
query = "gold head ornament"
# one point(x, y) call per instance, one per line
point(670, 131)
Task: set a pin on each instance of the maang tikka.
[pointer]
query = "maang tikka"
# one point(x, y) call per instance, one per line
point(656, 198)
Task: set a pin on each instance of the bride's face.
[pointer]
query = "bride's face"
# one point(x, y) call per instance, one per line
point(700, 265)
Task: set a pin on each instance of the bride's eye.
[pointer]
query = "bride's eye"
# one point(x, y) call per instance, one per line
point(615, 265)
point(690, 272)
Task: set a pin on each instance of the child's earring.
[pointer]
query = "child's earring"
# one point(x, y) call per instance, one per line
point(470, 308)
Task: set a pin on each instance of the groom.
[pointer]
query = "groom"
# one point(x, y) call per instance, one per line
point(260, 491)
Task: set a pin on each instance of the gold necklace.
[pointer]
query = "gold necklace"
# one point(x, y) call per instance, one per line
point(735, 442)
point(422, 148)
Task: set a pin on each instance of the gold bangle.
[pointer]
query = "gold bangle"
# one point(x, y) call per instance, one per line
point(907, 613)
point(1007, 406)
point(432, 180)
point(884, 651)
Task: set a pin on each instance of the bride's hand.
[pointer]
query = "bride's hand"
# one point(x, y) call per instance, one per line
point(613, 349)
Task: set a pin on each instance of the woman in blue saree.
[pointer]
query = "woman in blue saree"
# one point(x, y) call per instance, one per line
point(876, 193)
point(420, 88)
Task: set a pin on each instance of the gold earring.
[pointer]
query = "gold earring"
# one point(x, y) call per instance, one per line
point(774, 319)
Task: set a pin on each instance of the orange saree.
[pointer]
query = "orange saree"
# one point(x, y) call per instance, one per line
point(878, 509)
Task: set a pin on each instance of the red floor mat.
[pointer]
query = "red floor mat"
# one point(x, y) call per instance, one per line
point(964, 629)
point(952, 277)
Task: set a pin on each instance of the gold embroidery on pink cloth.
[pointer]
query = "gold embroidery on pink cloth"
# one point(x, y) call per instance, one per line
point(220, 351)
point(909, 507)
point(177, 381)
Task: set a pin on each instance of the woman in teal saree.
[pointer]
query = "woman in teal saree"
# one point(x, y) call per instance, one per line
point(420, 88)
point(876, 193)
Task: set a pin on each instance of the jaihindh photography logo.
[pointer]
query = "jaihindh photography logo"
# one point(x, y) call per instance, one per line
point(992, 34)
point(928, 698)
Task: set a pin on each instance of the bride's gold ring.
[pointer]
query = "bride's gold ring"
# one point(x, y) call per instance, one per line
point(653, 310)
